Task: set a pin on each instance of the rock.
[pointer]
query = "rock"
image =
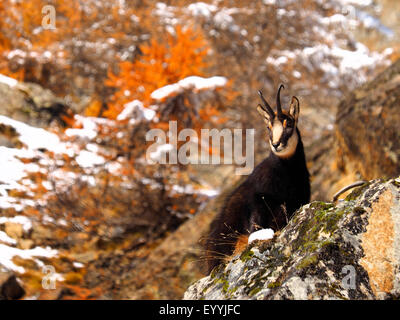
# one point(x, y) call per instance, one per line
point(85, 257)
point(10, 287)
point(25, 244)
point(32, 104)
point(367, 127)
point(365, 143)
point(42, 233)
point(346, 251)
point(14, 230)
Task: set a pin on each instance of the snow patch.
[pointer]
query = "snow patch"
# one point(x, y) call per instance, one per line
point(192, 82)
point(136, 112)
point(87, 159)
point(8, 253)
point(6, 239)
point(202, 9)
point(88, 130)
point(8, 81)
point(24, 221)
point(263, 234)
point(34, 138)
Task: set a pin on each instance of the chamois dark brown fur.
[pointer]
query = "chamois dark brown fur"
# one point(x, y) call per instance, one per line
point(270, 195)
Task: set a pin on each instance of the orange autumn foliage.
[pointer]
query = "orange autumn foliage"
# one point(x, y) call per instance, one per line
point(179, 56)
point(94, 108)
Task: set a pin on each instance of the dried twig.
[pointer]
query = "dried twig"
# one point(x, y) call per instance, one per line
point(353, 185)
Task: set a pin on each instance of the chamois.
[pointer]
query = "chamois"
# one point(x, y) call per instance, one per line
point(269, 196)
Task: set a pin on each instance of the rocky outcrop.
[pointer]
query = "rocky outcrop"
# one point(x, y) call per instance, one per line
point(365, 143)
point(31, 104)
point(367, 127)
point(350, 250)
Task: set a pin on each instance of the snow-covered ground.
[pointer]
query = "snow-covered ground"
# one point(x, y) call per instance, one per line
point(36, 142)
point(42, 151)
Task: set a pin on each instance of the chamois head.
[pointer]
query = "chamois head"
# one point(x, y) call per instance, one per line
point(281, 125)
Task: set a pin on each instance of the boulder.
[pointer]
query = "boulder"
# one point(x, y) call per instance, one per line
point(14, 230)
point(367, 127)
point(348, 250)
point(32, 104)
point(10, 287)
point(365, 142)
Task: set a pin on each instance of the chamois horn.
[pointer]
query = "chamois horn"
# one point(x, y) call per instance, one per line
point(278, 100)
point(267, 108)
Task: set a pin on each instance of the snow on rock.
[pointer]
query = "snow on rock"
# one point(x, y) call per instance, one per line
point(263, 234)
point(166, 13)
point(135, 111)
point(7, 253)
point(87, 159)
point(89, 127)
point(22, 220)
point(192, 82)
point(323, 50)
point(34, 138)
point(13, 169)
point(8, 81)
point(202, 9)
point(220, 17)
point(78, 265)
point(334, 61)
point(6, 239)
point(88, 130)
point(356, 2)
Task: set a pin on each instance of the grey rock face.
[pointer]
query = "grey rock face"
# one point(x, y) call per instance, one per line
point(30, 103)
point(367, 127)
point(346, 251)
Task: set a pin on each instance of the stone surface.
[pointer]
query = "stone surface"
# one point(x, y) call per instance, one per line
point(10, 287)
point(350, 250)
point(14, 230)
point(365, 143)
point(30, 103)
point(367, 127)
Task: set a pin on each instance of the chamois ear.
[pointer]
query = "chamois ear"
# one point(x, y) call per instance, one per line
point(265, 115)
point(294, 108)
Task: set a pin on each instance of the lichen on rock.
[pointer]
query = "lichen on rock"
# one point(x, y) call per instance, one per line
point(348, 250)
